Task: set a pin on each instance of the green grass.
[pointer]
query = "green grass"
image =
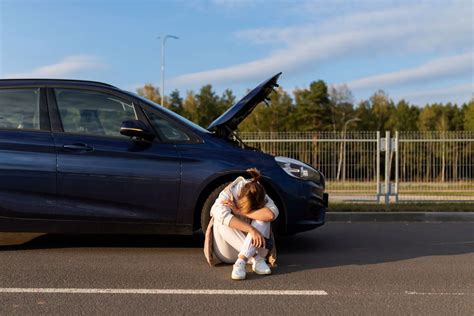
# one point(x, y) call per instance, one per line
point(458, 188)
point(438, 193)
point(402, 207)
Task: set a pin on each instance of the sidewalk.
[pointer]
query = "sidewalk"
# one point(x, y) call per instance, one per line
point(400, 217)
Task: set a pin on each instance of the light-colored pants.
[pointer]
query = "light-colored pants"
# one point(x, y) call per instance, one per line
point(229, 242)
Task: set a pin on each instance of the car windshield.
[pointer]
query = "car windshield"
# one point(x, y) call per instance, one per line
point(171, 113)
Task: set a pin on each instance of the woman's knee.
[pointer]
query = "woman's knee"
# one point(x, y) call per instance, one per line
point(262, 227)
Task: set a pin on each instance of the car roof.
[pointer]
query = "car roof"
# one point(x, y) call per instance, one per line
point(26, 82)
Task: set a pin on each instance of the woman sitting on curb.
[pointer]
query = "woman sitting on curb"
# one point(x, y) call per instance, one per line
point(240, 221)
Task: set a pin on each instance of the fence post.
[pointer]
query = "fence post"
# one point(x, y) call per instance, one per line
point(377, 169)
point(387, 167)
point(397, 169)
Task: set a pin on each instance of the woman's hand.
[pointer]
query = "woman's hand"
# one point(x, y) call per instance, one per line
point(258, 240)
point(230, 204)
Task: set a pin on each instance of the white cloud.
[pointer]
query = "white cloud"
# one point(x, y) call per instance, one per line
point(432, 70)
point(426, 27)
point(67, 67)
point(458, 93)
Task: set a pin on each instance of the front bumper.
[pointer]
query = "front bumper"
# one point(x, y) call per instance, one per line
point(302, 203)
point(313, 216)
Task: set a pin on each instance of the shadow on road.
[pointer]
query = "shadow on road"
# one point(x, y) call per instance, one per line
point(334, 244)
point(50, 241)
point(338, 244)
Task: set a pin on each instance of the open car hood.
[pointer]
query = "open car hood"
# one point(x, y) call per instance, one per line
point(228, 122)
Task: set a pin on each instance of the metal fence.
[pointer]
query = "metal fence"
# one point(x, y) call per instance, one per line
point(366, 167)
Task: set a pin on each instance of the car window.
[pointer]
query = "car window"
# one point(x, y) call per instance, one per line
point(166, 129)
point(91, 112)
point(19, 109)
point(170, 113)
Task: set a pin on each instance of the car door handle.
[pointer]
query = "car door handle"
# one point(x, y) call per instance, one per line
point(78, 147)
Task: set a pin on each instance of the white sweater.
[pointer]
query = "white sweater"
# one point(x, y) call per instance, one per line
point(223, 214)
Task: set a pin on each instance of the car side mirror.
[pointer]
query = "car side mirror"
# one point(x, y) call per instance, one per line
point(137, 129)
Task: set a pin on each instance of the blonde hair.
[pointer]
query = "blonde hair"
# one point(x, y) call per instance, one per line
point(252, 195)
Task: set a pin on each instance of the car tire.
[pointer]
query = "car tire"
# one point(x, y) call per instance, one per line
point(206, 208)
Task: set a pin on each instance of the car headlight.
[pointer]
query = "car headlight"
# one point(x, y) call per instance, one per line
point(298, 169)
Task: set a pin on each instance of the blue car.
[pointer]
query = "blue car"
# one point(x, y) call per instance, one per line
point(86, 157)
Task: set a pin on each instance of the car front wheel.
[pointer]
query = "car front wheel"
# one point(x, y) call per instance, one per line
point(206, 209)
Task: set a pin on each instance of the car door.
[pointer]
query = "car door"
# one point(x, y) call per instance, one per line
point(103, 174)
point(27, 154)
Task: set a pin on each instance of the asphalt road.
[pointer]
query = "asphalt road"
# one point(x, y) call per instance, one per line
point(363, 268)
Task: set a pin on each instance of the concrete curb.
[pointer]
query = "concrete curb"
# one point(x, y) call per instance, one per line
point(430, 217)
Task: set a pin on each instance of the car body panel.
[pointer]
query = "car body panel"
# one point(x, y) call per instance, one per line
point(118, 179)
point(28, 174)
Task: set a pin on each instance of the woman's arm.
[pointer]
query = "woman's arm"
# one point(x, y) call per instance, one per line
point(264, 214)
point(257, 238)
point(220, 211)
point(267, 213)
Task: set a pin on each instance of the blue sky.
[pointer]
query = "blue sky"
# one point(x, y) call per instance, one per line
point(418, 50)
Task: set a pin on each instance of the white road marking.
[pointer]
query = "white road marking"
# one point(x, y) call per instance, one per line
point(165, 291)
point(200, 292)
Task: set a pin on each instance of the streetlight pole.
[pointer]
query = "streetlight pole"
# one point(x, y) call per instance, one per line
point(163, 42)
point(342, 151)
point(355, 119)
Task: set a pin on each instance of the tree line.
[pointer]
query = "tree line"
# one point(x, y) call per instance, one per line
point(320, 108)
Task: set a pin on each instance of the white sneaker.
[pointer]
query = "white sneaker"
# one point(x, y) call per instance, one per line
point(238, 271)
point(261, 267)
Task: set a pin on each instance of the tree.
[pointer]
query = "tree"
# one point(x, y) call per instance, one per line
point(208, 105)
point(382, 108)
point(319, 108)
point(343, 115)
point(427, 119)
point(342, 108)
point(456, 117)
point(190, 107)
point(150, 92)
point(313, 109)
point(273, 118)
point(227, 99)
point(367, 118)
point(468, 110)
point(175, 102)
point(404, 117)
point(256, 121)
point(439, 117)
point(280, 111)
